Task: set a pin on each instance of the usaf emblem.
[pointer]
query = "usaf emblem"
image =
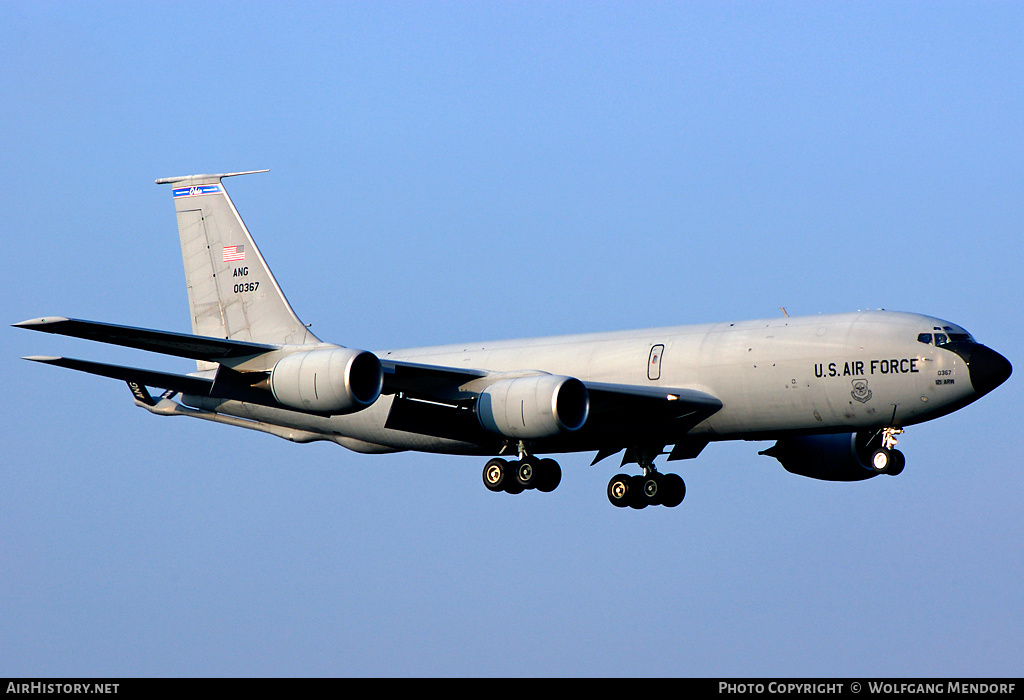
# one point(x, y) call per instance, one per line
point(860, 390)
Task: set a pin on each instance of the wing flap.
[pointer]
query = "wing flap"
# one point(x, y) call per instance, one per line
point(195, 347)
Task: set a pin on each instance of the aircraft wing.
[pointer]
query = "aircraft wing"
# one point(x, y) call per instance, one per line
point(674, 401)
point(434, 382)
point(226, 384)
point(196, 347)
point(133, 375)
point(432, 402)
point(425, 381)
point(626, 410)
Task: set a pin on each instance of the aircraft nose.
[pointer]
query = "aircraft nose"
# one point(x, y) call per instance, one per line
point(988, 368)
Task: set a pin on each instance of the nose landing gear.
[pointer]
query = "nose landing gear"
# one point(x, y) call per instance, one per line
point(887, 459)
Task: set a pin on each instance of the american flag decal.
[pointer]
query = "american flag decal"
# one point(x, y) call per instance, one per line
point(233, 253)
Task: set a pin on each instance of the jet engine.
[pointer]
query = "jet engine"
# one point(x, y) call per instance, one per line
point(534, 407)
point(334, 380)
point(836, 457)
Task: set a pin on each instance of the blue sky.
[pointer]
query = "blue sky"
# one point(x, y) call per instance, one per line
point(458, 171)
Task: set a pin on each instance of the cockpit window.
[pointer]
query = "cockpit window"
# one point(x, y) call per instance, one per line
point(940, 339)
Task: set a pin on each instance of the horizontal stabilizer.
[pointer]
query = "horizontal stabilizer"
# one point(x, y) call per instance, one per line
point(196, 347)
point(204, 178)
point(196, 386)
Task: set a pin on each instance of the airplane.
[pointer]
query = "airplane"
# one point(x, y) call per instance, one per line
point(832, 391)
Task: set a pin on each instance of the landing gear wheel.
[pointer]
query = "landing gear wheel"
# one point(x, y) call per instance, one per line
point(512, 484)
point(673, 490)
point(619, 490)
point(496, 474)
point(637, 499)
point(550, 476)
point(882, 460)
point(652, 486)
point(898, 462)
point(528, 472)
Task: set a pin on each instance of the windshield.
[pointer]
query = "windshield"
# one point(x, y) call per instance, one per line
point(941, 335)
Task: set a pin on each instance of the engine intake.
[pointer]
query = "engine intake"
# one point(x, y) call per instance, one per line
point(534, 407)
point(335, 380)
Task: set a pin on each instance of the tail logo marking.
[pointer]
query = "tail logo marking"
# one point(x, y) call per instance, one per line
point(196, 190)
point(233, 253)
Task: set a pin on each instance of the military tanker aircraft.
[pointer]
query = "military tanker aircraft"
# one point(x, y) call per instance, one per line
point(832, 391)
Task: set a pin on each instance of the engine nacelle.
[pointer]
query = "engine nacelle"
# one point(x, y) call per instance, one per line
point(534, 407)
point(837, 457)
point(334, 380)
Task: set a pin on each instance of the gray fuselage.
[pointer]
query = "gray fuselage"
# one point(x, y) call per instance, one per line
point(830, 373)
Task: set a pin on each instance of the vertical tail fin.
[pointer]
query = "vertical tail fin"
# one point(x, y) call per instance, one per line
point(231, 291)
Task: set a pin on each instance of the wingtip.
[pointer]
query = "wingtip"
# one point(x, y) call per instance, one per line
point(42, 358)
point(35, 322)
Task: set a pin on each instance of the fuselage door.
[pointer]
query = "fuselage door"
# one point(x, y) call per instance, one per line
point(654, 362)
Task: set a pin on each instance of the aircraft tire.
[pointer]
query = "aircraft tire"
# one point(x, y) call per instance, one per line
point(881, 460)
point(619, 490)
point(652, 487)
point(673, 490)
point(528, 472)
point(512, 484)
point(550, 476)
point(898, 462)
point(637, 499)
point(496, 474)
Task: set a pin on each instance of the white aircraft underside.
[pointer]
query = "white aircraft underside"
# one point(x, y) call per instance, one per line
point(833, 391)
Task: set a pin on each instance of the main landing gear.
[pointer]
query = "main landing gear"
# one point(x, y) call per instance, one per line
point(651, 489)
point(526, 473)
